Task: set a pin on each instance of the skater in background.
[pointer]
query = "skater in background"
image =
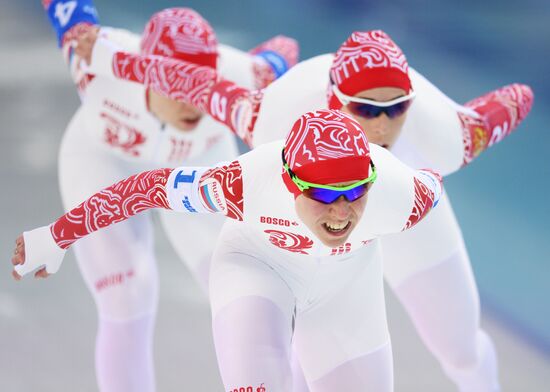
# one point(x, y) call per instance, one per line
point(122, 128)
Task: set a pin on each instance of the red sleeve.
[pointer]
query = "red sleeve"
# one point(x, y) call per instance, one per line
point(426, 195)
point(234, 106)
point(111, 205)
point(177, 80)
point(498, 114)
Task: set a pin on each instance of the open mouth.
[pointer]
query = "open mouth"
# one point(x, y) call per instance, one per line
point(386, 146)
point(336, 229)
point(190, 122)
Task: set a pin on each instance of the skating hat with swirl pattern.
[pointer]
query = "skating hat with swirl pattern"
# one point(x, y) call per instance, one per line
point(326, 147)
point(183, 34)
point(367, 60)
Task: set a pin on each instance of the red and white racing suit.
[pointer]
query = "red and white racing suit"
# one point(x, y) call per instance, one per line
point(427, 267)
point(271, 278)
point(111, 136)
point(437, 133)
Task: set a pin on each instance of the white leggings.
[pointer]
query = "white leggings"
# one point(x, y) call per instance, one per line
point(429, 270)
point(331, 312)
point(444, 307)
point(341, 341)
point(118, 263)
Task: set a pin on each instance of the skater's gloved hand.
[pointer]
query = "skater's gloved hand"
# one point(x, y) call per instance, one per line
point(498, 113)
point(273, 58)
point(36, 250)
point(85, 44)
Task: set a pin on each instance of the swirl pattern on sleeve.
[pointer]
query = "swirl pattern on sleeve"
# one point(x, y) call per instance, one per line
point(500, 112)
point(113, 204)
point(424, 200)
point(175, 79)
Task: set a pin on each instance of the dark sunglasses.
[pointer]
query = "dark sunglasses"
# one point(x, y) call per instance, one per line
point(368, 108)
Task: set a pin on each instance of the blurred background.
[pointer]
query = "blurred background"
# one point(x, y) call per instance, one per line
point(466, 48)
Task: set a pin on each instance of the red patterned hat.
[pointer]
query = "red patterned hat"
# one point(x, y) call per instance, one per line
point(181, 33)
point(326, 147)
point(367, 60)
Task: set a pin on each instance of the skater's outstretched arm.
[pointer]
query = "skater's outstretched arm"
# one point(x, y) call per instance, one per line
point(227, 102)
point(235, 106)
point(498, 113)
point(449, 135)
point(185, 189)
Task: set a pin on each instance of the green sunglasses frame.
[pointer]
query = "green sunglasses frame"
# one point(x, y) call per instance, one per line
point(303, 185)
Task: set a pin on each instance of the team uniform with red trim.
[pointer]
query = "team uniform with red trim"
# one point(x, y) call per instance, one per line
point(427, 267)
point(112, 135)
point(268, 266)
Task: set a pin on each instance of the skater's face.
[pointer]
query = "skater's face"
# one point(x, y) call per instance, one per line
point(381, 130)
point(182, 116)
point(331, 223)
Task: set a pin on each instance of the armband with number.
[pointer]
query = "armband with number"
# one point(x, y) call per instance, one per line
point(64, 14)
point(182, 189)
point(224, 106)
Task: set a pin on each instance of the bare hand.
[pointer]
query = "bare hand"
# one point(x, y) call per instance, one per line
point(18, 258)
point(85, 44)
